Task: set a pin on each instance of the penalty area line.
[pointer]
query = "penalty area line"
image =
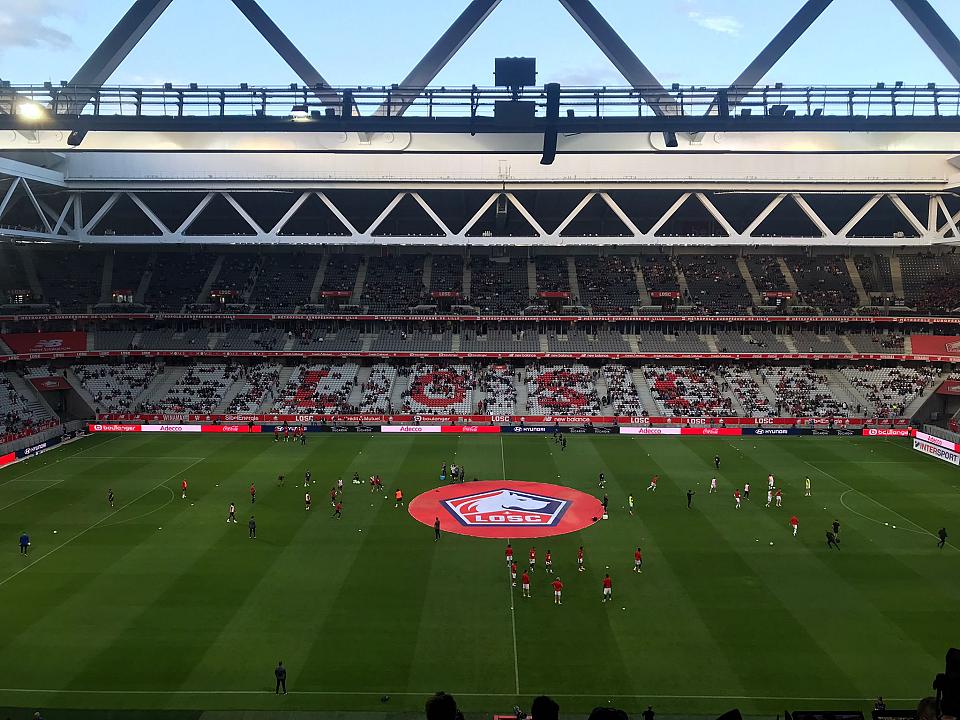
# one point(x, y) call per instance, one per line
point(920, 529)
point(95, 525)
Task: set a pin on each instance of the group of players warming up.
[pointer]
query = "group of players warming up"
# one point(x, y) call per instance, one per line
point(556, 583)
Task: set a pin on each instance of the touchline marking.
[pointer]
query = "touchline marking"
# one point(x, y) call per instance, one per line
point(139, 457)
point(426, 693)
point(513, 616)
point(53, 483)
point(96, 524)
point(877, 502)
point(57, 462)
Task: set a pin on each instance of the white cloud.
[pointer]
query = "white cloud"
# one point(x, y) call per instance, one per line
point(26, 23)
point(726, 24)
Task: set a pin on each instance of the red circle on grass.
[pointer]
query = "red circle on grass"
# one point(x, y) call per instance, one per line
point(507, 509)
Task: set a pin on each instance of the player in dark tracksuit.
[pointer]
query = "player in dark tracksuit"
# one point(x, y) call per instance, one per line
point(832, 541)
point(24, 543)
point(281, 674)
point(436, 529)
point(252, 525)
point(942, 534)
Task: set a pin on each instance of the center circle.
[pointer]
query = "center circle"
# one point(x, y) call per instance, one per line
point(506, 509)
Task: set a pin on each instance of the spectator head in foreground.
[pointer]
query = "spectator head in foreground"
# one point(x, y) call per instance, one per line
point(544, 708)
point(947, 685)
point(607, 713)
point(441, 706)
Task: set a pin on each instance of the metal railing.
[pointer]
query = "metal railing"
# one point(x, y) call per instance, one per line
point(580, 102)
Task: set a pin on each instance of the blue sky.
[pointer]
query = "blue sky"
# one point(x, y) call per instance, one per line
point(376, 42)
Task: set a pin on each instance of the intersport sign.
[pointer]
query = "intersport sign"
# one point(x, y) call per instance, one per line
point(936, 451)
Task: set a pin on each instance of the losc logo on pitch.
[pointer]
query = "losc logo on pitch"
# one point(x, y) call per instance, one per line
point(503, 506)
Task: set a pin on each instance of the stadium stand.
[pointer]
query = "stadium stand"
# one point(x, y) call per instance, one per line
point(497, 384)
point(285, 281)
point(607, 284)
point(622, 394)
point(435, 388)
point(766, 273)
point(200, 389)
point(117, 387)
point(177, 278)
point(258, 385)
point(823, 283)
point(393, 284)
point(70, 278)
point(494, 338)
point(687, 392)
point(318, 389)
point(446, 274)
point(499, 285)
point(744, 386)
point(419, 340)
point(19, 415)
point(802, 391)
point(890, 389)
point(561, 390)
point(715, 283)
point(375, 391)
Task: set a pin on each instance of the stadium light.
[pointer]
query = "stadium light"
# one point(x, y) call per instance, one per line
point(31, 111)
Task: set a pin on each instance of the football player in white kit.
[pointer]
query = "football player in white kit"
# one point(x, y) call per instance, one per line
point(713, 485)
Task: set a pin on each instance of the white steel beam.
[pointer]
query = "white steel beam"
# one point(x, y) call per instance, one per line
point(478, 214)
point(160, 225)
point(811, 214)
point(573, 213)
point(951, 220)
point(336, 211)
point(622, 57)
point(109, 54)
point(907, 213)
point(285, 218)
point(554, 240)
point(763, 214)
point(852, 222)
point(934, 31)
point(775, 49)
point(36, 206)
point(717, 215)
point(287, 50)
point(624, 218)
point(62, 219)
point(433, 216)
point(438, 56)
point(527, 216)
point(104, 209)
point(386, 211)
point(7, 195)
point(243, 213)
point(185, 225)
point(16, 168)
point(671, 211)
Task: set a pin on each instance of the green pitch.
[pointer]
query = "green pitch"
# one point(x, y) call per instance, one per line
point(161, 604)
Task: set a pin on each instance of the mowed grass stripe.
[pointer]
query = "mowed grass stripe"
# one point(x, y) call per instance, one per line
point(345, 607)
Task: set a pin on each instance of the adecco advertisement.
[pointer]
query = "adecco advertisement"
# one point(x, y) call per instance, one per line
point(124, 428)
